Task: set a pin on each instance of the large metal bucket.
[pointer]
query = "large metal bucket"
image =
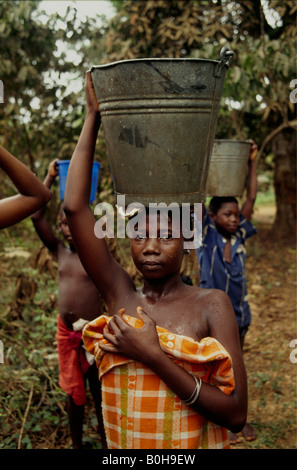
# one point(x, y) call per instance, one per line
point(159, 119)
point(228, 168)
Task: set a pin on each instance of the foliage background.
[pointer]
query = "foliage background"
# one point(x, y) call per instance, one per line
point(41, 120)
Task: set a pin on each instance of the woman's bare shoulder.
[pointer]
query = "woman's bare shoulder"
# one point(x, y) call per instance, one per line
point(214, 303)
point(210, 295)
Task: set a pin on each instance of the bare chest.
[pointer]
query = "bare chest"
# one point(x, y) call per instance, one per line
point(179, 316)
point(69, 266)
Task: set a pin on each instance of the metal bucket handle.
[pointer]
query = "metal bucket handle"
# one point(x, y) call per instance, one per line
point(225, 56)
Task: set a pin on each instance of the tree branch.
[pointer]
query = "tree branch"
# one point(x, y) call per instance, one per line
point(25, 417)
point(292, 124)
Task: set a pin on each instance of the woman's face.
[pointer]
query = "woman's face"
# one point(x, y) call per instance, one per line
point(160, 255)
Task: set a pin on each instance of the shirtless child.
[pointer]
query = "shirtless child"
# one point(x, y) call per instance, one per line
point(78, 303)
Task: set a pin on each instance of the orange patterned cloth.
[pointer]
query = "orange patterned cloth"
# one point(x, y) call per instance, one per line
point(140, 411)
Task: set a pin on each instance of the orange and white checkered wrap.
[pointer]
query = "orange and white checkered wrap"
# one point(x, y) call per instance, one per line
point(140, 411)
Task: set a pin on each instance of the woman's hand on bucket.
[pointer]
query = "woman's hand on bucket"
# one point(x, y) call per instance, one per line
point(92, 103)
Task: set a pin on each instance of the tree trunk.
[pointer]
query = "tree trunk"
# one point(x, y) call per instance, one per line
point(284, 150)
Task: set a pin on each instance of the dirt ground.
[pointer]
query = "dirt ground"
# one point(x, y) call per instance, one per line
point(272, 378)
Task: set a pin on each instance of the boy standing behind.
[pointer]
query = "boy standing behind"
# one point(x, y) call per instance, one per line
point(78, 303)
point(221, 257)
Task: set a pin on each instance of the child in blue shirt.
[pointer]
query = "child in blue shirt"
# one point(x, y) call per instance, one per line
point(221, 257)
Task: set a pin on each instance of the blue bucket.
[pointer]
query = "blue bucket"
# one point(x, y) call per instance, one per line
point(63, 170)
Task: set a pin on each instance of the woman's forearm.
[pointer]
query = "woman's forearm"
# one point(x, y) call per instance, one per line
point(251, 194)
point(32, 193)
point(24, 180)
point(252, 181)
point(212, 403)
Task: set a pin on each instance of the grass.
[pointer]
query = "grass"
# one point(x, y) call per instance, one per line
point(266, 198)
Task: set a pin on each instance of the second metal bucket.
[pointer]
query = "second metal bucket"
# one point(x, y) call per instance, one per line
point(228, 168)
point(159, 119)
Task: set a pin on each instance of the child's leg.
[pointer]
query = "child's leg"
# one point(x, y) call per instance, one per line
point(76, 417)
point(95, 388)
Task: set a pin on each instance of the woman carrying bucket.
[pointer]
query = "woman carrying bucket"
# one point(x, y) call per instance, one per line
point(168, 354)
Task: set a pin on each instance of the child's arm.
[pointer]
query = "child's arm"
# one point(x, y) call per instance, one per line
point(247, 208)
point(32, 193)
point(106, 273)
point(41, 225)
point(225, 410)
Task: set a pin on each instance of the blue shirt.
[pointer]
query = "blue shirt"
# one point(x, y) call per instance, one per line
point(217, 273)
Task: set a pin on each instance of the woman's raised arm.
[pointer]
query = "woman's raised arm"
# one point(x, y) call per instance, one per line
point(93, 251)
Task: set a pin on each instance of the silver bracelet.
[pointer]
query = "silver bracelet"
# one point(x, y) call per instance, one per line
point(195, 393)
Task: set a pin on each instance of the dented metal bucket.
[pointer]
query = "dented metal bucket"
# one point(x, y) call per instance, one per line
point(159, 119)
point(228, 168)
